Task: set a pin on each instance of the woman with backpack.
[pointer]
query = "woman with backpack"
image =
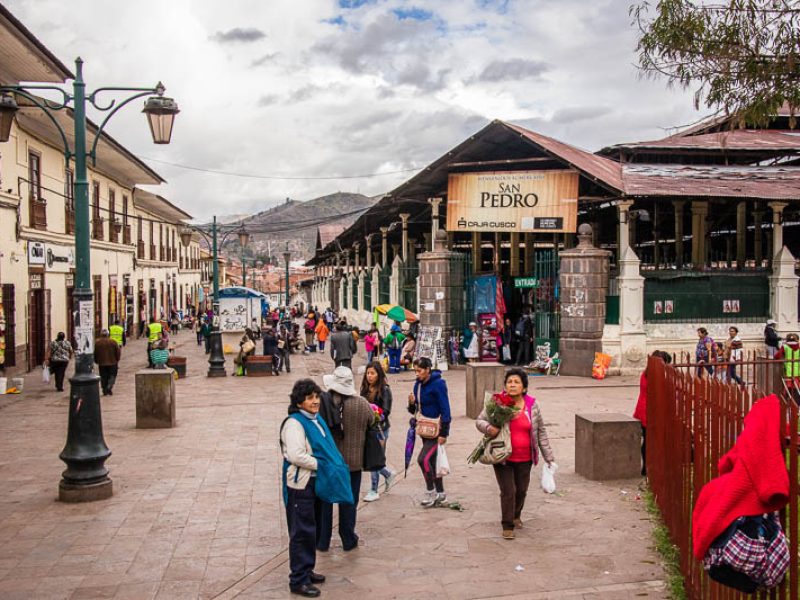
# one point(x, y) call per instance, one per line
point(375, 389)
point(528, 436)
point(394, 346)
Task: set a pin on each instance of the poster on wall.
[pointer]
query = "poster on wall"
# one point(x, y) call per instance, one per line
point(430, 344)
point(521, 201)
point(84, 328)
point(669, 307)
point(59, 259)
point(232, 314)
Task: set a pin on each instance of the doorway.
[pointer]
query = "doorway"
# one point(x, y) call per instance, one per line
point(38, 326)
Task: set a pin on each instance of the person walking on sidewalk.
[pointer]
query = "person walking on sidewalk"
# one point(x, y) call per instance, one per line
point(734, 352)
point(394, 346)
point(348, 416)
point(58, 355)
point(371, 342)
point(117, 333)
point(528, 436)
point(375, 389)
point(343, 346)
point(771, 339)
point(305, 442)
point(430, 399)
point(284, 347)
point(270, 343)
point(308, 327)
point(107, 354)
point(322, 332)
point(640, 413)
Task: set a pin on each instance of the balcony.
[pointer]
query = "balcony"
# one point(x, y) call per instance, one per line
point(126, 235)
point(140, 249)
point(38, 213)
point(97, 228)
point(174, 255)
point(152, 251)
point(114, 228)
point(69, 220)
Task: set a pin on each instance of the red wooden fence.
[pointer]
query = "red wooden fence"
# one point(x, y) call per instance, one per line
point(692, 421)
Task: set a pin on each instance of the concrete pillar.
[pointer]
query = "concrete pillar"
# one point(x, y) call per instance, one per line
point(368, 241)
point(412, 251)
point(741, 234)
point(633, 340)
point(361, 277)
point(395, 279)
point(758, 219)
point(679, 206)
point(404, 220)
point(584, 284)
point(356, 248)
point(777, 227)
point(514, 255)
point(699, 230)
point(375, 282)
point(783, 291)
point(384, 247)
point(435, 202)
point(476, 252)
point(623, 208)
point(396, 252)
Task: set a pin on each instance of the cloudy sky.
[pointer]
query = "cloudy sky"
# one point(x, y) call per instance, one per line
point(308, 94)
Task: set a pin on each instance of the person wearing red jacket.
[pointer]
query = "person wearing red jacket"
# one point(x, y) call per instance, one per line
point(753, 478)
point(640, 413)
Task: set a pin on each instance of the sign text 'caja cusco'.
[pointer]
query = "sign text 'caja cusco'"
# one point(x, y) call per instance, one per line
point(523, 201)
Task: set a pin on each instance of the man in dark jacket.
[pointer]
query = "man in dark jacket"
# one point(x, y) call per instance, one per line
point(107, 354)
point(523, 334)
point(771, 339)
point(270, 341)
point(343, 346)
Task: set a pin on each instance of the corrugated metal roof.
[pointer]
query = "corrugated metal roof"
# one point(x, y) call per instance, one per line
point(736, 140)
point(328, 233)
point(767, 183)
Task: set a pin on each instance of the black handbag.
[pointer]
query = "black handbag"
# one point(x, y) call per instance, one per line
point(374, 449)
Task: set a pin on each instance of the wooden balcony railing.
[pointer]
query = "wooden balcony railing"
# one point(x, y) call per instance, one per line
point(97, 228)
point(126, 234)
point(69, 220)
point(140, 250)
point(152, 252)
point(114, 228)
point(38, 210)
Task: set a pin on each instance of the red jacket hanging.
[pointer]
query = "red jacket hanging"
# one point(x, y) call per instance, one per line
point(752, 477)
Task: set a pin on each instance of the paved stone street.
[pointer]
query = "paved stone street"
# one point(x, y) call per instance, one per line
point(197, 512)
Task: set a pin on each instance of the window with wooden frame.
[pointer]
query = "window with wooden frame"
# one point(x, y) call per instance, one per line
point(36, 204)
point(69, 201)
point(9, 313)
point(139, 238)
point(113, 231)
point(97, 220)
point(127, 238)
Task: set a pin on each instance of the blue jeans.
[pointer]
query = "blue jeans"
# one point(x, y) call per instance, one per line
point(375, 475)
point(394, 359)
point(347, 519)
point(370, 355)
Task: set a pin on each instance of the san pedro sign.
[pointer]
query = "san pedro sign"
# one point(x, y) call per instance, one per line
point(523, 201)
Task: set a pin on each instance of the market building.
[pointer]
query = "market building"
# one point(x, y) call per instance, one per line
point(699, 229)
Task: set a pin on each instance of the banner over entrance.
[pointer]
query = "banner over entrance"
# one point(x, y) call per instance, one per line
point(523, 201)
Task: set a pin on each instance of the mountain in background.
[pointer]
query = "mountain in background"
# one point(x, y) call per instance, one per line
point(296, 222)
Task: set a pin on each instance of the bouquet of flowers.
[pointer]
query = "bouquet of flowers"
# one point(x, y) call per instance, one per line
point(377, 412)
point(500, 410)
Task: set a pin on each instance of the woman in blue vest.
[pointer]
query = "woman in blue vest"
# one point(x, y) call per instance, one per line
point(313, 471)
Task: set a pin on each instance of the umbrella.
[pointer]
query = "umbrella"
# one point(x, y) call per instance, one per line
point(398, 313)
point(411, 439)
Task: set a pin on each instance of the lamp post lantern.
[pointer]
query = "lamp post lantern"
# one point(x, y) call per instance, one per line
point(286, 256)
point(244, 238)
point(85, 451)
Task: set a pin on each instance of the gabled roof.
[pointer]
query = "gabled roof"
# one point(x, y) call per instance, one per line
point(23, 57)
point(327, 233)
point(737, 140)
point(159, 206)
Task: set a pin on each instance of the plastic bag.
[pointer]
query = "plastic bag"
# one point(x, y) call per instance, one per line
point(45, 374)
point(506, 353)
point(442, 464)
point(549, 477)
point(600, 365)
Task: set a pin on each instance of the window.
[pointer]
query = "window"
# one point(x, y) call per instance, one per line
point(124, 210)
point(112, 216)
point(35, 176)
point(139, 225)
point(97, 221)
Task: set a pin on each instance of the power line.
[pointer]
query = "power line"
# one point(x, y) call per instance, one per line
point(276, 177)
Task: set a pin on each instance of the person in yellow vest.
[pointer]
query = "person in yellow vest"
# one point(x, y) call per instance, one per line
point(117, 333)
point(154, 331)
point(790, 354)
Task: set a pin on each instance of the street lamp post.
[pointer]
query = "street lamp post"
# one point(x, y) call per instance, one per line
point(286, 256)
point(216, 359)
point(85, 452)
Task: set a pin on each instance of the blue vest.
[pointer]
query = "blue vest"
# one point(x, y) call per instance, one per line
point(332, 479)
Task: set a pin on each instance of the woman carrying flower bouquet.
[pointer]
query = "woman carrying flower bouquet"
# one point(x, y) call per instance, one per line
point(528, 436)
point(375, 389)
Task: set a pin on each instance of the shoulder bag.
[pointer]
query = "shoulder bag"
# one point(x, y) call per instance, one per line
point(427, 428)
point(374, 449)
point(498, 448)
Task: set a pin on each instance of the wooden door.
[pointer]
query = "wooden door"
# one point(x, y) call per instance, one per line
point(38, 324)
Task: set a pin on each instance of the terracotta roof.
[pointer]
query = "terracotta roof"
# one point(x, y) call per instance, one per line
point(599, 168)
point(738, 139)
point(768, 183)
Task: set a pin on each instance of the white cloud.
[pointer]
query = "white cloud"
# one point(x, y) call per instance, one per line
point(310, 89)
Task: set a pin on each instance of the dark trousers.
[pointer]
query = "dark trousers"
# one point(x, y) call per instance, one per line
point(523, 352)
point(302, 523)
point(199, 338)
point(208, 344)
point(286, 361)
point(427, 462)
point(644, 451)
point(347, 518)
point(59, 368)
point(732, 375)
point(108, 376)
point(345, 362)
point(394, 359)
point(513, 479)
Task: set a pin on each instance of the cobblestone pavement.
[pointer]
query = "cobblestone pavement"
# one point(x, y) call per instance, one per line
point(196, 511)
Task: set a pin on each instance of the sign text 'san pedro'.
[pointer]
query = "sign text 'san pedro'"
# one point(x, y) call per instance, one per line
point(513, 201)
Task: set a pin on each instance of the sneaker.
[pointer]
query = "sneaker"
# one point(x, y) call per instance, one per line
point(371, 496)
point(518, 524)
point(389, 481)
point(508, 534)
point(440, 499)
point(428, 499)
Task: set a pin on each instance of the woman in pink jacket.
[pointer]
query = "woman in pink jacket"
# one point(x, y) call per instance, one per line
point(371, 341)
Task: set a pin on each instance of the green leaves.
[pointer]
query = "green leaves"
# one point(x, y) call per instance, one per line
point(744, 55)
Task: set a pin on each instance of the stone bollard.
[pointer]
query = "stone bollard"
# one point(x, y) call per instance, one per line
point(155, 399)
point(482, 378)
point(607, 446)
